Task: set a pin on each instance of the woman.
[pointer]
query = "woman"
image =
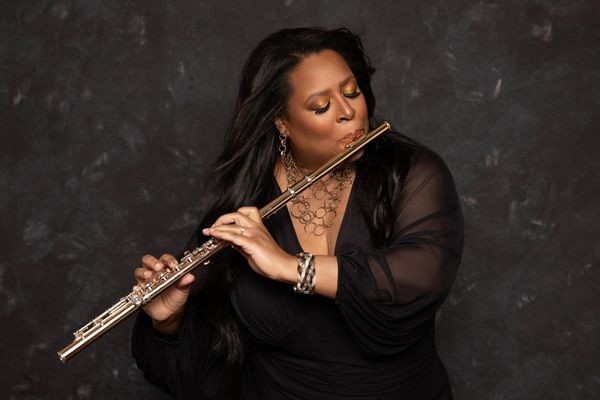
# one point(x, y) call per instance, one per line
point(377, 244)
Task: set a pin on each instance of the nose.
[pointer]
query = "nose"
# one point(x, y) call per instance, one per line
point(345, 112)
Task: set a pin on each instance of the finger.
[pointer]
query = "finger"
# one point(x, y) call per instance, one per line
point(142, 274)
point(251, 212)
point(185, 282)
point(149, 261)
point(229, 236)
point(168, 259)
point(233, 218)
point(233, 228)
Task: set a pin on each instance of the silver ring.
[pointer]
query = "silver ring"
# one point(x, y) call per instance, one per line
point(242, 230)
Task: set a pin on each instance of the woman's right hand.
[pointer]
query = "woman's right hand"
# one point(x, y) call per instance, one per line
point(166, 309)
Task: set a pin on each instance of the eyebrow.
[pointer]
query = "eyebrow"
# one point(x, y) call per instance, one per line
point(342, 83)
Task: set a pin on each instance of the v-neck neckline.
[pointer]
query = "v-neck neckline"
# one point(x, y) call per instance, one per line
point(343, 223)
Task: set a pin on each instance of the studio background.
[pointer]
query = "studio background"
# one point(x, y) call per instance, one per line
point(111, 111)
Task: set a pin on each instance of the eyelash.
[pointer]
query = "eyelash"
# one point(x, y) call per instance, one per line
point(352, 95)
point(349, 96)
point(322, 110)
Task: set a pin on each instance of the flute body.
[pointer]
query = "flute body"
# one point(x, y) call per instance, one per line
point(202, 255)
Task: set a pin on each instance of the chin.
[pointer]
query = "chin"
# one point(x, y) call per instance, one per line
point(356, 156)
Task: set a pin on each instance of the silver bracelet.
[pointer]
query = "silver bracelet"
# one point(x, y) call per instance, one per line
point(306, 273)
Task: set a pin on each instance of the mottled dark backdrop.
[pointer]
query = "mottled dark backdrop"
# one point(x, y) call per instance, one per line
point(110, 111)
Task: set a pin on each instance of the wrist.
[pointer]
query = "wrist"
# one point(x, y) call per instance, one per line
point(289, 270)
point(168, 326)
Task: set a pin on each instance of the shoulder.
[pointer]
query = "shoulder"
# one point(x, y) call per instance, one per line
point(414, 164)
point(409, 155)
point(427, 162)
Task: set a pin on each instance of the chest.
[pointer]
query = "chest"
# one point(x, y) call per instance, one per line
point(273, 313)
point(317, 214)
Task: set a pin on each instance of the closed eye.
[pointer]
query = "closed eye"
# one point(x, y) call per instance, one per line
point(322, 110)
point(352, 95)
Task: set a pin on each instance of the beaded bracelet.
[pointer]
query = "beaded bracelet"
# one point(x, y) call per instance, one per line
point(306, 273)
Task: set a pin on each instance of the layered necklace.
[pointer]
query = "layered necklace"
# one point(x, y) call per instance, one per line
point(316, 222)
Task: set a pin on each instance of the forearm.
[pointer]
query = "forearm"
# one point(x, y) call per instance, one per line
point(326, 274)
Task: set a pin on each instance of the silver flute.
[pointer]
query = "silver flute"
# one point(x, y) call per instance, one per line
point(142, 295)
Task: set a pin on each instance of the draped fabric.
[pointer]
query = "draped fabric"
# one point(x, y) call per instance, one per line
point(375, 340)
point(387, 296)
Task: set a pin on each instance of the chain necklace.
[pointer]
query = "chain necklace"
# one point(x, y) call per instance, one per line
point(316, 222)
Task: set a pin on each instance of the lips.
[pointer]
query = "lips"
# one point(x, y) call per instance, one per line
point(352, 136)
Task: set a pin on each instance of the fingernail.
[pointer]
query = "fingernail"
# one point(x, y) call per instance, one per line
point(205, 231)
point(173, 263)
point(158, 266)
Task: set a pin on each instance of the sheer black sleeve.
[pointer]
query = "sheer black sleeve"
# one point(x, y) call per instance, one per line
point(388, 296)
point(185, 365)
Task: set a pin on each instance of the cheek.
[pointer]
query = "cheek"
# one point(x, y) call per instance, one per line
point(362, 111)
point(313, 126)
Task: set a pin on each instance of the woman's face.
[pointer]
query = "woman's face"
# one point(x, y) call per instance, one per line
point(325, 111)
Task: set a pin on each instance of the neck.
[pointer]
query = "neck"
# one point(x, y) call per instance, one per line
point(308, 163)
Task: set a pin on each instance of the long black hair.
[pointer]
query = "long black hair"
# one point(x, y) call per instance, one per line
point(245, 166)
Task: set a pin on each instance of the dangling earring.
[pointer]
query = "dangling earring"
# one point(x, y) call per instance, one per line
point(282, 145)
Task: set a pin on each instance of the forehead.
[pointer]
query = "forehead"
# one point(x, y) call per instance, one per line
point(318, 72)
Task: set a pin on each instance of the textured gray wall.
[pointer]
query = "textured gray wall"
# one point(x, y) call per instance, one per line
point(110, 111)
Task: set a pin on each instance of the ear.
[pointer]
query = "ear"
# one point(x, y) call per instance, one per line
point(281, 126)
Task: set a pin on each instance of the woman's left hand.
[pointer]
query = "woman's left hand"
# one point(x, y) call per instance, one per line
point(246, 231)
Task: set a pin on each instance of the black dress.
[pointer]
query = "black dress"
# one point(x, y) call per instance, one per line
point(375, 340)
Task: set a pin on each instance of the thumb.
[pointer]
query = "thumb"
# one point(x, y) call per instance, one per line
point(185, 282)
